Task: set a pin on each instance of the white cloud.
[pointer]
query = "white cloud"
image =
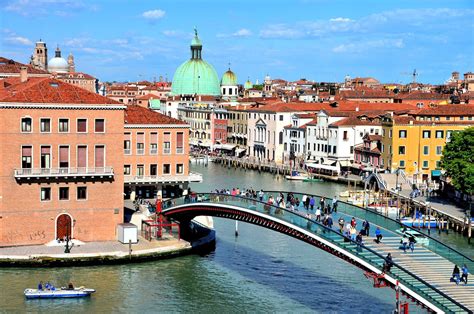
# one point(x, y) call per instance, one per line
point(62, 8)
point(243, 32)
point(340, 20)
point(281, 31)
point(362, 46)
point(154, 14)
point(19, 40)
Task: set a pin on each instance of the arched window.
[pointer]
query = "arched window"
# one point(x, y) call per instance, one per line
point(280, 138)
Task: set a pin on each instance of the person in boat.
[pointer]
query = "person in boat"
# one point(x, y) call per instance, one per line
point(455, 277)
point(70, 286)
point(40, 286)
point(378, 235)
point(47, 285)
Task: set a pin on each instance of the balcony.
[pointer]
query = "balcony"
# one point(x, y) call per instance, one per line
point(127, 151)
point(153, 151)
point(37, 173)
point(140, 151)
point(167, 151)
point(179, 150)
point(191, 177)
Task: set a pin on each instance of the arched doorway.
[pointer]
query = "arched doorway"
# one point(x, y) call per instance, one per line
point(63, 227)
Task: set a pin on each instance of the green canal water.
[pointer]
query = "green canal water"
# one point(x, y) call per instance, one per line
point(260, 271)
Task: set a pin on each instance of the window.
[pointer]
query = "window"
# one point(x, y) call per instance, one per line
point(63, 156)
point(64, 194)
point(345, 136)
point(126, 170)
point(140, 143)
point(426, 134)
point(45, 194)
point(438, 164)
point(81, 125)
point(334, 149)
point(439, 150)
point(448, 135)
point(426, 150)
point(140, 170)
point(426, 164)
point(402, 134)
point(127, 144)
point(281, 117)
point(26, 157)
point(99, 156)
point(402, 163)
point(179, 169)
point(45, 125)
point(440, 134)
point(153, 143)
point(352, 149)
point(63, 126)
point(45, 159)
point(82, 157)
point(401, 150)
point(167, 143)
point(153, 170)
point(81, 192)
point(25, 124)
point(179, 142)
point(99, 125)
point(166, 169)
point(389, 133)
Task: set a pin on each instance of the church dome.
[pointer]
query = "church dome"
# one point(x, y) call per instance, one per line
point(229, 79)
point(248, 84)
point(195, 76)
point(58, 64)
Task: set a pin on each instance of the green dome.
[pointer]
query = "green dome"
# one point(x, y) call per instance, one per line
point(248, 84)
point(195, 76)
point(229, 79)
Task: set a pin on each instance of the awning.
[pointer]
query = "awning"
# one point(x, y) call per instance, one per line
point(328, 162)
point(228, 146)
point(436, 173)
point(322, 166)
point(239, 150)
point(217, 146)
point(345, 163)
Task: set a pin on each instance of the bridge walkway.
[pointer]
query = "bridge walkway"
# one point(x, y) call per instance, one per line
point(431, 287)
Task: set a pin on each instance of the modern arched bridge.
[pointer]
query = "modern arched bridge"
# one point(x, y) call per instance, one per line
point(422, 275)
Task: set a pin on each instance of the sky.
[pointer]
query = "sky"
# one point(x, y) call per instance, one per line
point(320, 40)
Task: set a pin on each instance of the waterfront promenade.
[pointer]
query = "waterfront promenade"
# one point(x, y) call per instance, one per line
point(109, 252)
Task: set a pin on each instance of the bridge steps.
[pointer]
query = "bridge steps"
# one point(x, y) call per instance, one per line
point(428, 266)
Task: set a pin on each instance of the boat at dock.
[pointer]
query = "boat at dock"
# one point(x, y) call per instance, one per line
point(297, 176)
point(58, 293)
point(420, 222)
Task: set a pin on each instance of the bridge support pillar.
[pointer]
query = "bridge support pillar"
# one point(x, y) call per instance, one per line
point(236, 228)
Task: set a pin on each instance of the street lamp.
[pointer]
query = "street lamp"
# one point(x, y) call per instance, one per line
point(428, 206)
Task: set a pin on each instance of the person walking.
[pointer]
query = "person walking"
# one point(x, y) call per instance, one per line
point(260, 195)
point(404, 243)
point(306, 202)
point(303, 200)
point(318, 214)
point(465, 273)
point(378, 235)
point(456, 278)
point(341, 224)
point(311, 202)
point(388, 263)
point(321, 202)
point(411, 242)
point(353, 233)
point(334, 204)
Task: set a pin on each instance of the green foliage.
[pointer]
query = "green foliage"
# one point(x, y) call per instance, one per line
point(259, 87)
point(458, 160)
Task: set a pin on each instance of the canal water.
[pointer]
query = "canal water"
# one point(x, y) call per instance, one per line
point(259, 271)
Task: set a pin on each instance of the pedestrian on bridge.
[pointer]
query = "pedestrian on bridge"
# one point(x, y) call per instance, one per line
point(306, 202)
point(404, 243)
point(341, 224)
point(318, 214)
point(311, 202)
point(411, 242)
point(378, 235)
point(322, 202)
point(366, 227)
point(334, 203)
point(388, 263)
point(465, 272)
point(455, 276)
point(353, 232)
point(260, 195)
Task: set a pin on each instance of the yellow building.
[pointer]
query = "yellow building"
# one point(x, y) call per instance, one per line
point(415, 142)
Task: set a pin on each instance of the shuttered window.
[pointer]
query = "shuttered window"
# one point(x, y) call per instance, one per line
point(99, 156)
point(63, 156)
point(81, 125)
point(82, 156)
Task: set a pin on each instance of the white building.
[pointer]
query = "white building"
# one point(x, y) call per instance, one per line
point(294, 137)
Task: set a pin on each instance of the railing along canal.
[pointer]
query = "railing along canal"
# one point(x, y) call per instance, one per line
point(298, 219)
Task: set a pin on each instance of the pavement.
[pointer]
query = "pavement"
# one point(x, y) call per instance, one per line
point(93, 251)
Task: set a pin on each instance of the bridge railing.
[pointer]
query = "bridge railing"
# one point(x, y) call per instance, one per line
point(299, 219)
point(392, 225)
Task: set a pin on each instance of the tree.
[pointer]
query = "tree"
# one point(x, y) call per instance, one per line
point(458, 160)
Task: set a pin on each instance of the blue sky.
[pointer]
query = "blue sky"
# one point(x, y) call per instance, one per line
point(322, 40)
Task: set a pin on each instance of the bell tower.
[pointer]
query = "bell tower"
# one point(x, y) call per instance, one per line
point(39, 59)
point(70, 62)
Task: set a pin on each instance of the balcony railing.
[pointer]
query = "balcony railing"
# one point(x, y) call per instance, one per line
point(153, 151)
point(127, 151)
point(179, 150)
point(191, 177)
point(166, 150)
point(63, 172)
point(140, 151)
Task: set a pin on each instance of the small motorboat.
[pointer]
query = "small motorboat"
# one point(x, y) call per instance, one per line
point(296, 176)
point(58, 293)
point(420, 222)
point(313, 179)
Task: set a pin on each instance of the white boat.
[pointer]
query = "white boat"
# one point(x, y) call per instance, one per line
point(419, 223)
point(58, 293)
point(388, 210)
point(296, 176)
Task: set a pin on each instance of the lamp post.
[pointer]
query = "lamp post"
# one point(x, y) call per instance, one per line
point(428, 206)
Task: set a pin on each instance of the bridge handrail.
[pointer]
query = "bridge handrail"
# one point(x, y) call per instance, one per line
point(321, 226)
point(459, 259)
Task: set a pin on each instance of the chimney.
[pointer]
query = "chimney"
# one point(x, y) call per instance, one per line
point(23, 74)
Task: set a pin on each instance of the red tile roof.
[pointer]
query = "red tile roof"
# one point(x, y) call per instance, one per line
point(135, 114)
point(9, 66)
point(447, 110)
point(48, 90)
point(356, 120)
point(75, 75)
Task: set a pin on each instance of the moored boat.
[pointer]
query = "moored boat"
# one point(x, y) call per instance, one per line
point(295, 175)
point(58, 293)
point(420, 222)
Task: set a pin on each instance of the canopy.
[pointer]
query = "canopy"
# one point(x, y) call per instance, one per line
point(435, 173)
point(322, 166)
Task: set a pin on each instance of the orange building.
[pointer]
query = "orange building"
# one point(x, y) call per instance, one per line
point(156, 153)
